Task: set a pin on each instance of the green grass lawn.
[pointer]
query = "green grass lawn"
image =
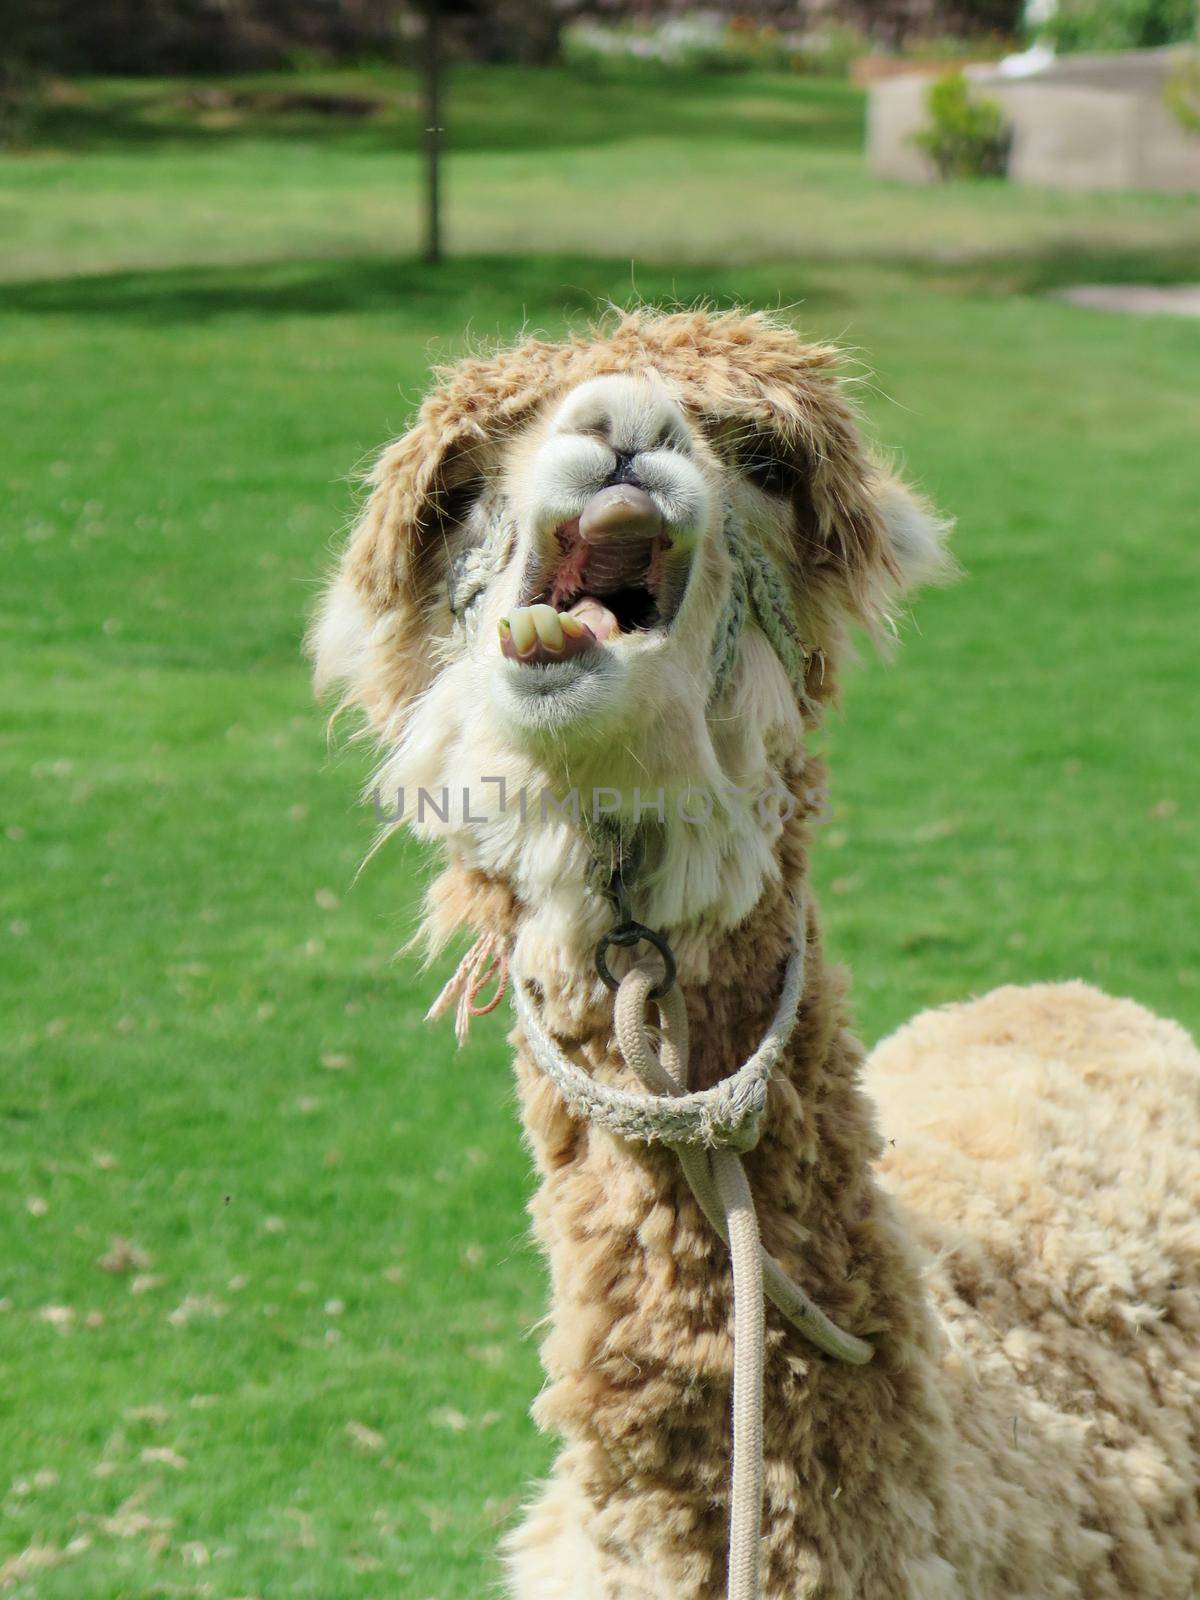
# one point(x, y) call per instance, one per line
point(267, 1308)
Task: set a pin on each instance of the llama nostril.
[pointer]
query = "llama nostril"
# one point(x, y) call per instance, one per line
point(624, 472)
point(620, 511)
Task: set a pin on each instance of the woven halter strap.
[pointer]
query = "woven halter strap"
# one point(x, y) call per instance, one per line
point(727, 1115)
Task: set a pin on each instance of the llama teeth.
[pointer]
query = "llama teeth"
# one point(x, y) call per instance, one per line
point(549, 626)
point(538, 636)
point(524, 630)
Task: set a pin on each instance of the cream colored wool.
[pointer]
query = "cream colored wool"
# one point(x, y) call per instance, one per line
point(1004, 1199)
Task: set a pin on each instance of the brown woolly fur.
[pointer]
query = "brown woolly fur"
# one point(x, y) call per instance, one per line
point(1003, 1200)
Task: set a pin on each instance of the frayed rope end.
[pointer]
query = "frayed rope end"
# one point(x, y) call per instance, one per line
point(486, 959)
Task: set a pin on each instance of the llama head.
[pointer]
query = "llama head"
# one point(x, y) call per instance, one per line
point(597, 591)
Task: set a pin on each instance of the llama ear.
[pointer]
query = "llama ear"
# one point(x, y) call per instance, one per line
point(865, 541)
point(912, 552)
point(337, 639)
point(376, 630)
point(861, 540)
point(371, 633)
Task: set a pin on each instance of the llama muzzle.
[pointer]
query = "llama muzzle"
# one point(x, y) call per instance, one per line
point(605, 581)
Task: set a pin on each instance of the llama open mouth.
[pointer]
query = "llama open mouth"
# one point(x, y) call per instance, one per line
point(604, 581)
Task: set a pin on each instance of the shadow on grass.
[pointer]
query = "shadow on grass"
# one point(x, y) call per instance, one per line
point(468, 286)
point(472, 287)
point(1059, 266)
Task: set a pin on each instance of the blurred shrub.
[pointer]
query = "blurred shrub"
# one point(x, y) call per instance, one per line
point(828, 52)
point(956, 47)
point(951, 30)
point(975, 18)
point(20, 99)
point(747, 43)
point(141, 37)
point(1120, 24)
point(910, 26)
point(694, 44)
point(167, 36)
point(1182, 94)
point(966, 138)
point(708, 43)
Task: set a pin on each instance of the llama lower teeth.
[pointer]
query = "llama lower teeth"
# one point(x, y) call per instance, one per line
point(537, 635)
point(549, 628)
point(522, 630)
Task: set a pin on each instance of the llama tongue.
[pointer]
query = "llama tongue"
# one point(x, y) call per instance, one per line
point(595, 616)
point(613, 548)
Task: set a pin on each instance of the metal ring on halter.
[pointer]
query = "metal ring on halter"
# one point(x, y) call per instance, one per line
point(630, 933)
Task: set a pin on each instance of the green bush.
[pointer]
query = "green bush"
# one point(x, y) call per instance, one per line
point(966, 138)
point(1182, 94)
point(1120, 24)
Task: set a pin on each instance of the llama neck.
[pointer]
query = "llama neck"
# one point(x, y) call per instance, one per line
point(640, 1354)
point(811, 1170)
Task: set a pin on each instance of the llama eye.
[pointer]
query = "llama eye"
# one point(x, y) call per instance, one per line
point(765, 470)
point(453, 505)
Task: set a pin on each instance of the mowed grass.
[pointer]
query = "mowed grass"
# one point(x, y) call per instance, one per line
point(269, 1312)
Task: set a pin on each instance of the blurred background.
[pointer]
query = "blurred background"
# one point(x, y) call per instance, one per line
point(267, 1308)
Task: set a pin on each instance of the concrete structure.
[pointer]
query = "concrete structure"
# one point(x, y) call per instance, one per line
point(1085, 122)
point(1143, 299)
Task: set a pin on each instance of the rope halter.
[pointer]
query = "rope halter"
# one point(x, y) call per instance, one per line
point(707, 1130)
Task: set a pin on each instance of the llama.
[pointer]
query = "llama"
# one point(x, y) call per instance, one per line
point(597, 580)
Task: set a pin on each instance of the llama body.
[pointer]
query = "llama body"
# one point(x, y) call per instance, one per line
point(1004, 1201)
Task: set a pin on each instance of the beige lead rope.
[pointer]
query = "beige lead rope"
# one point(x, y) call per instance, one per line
point(718, 1180)
point(706, 1130)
